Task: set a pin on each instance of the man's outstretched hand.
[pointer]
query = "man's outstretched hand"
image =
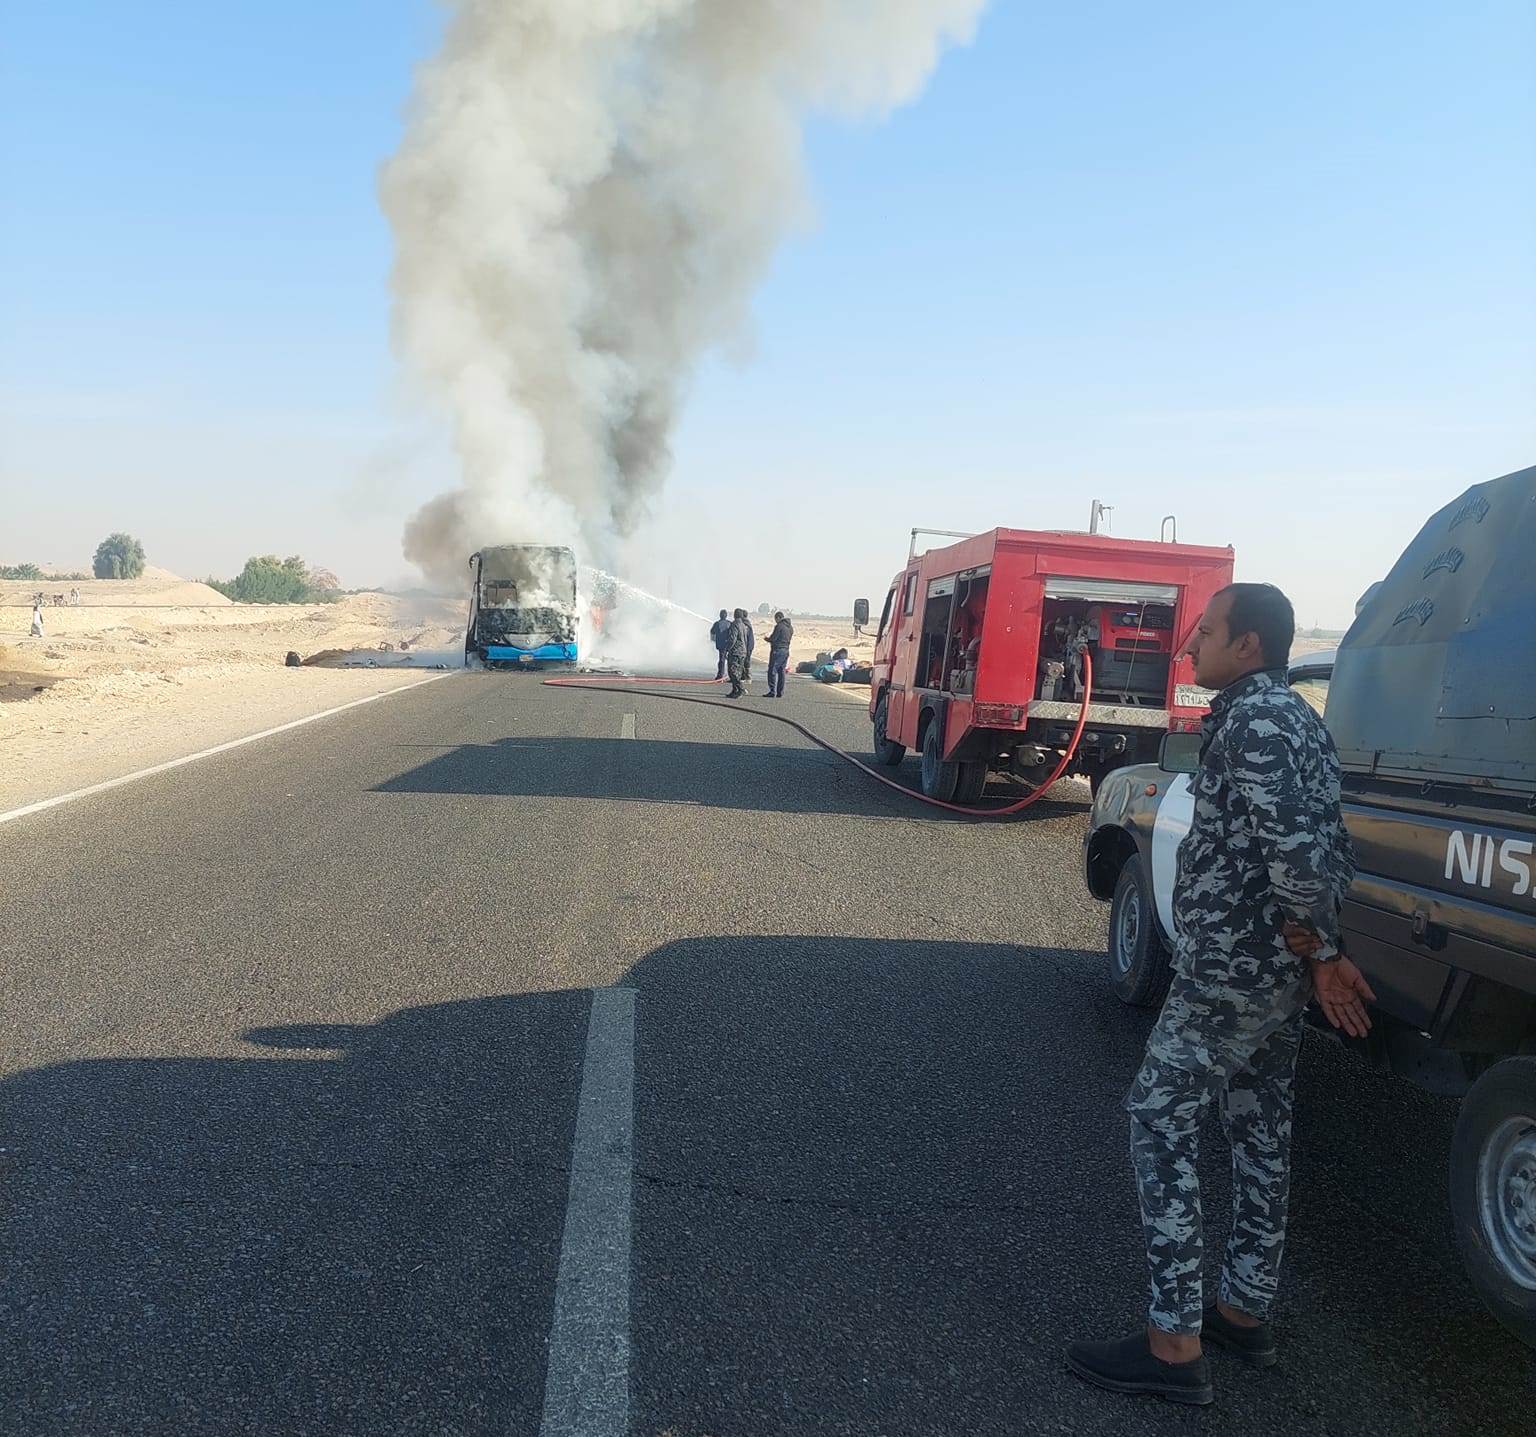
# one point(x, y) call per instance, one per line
point(1342, 994)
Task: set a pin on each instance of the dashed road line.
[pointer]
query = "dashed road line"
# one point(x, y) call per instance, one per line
point(586, 1381)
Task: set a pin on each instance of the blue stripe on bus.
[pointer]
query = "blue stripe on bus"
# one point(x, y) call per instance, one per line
point(507, 652)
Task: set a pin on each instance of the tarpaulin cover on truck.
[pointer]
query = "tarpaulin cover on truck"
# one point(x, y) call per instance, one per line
point(1437, 675)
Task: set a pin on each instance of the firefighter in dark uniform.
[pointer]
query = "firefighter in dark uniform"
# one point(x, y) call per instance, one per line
point(738, 653)
point(720, 637)
point(1261, 876)
point(779, 640)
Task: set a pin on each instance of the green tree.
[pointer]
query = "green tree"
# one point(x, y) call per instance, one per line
point(118, 556)
point(20, 571)
point(266, 579)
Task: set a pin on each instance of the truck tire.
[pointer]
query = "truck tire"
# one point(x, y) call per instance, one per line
point(886, 751)
point(972, 781)
point(1493, 1192)
point(940, 775)
point(1140, 968)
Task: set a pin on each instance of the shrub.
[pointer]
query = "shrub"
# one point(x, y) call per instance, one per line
point(118, 556)
point(20, 571)
point(266, 579)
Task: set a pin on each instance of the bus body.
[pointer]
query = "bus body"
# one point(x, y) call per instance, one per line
point(522, 607)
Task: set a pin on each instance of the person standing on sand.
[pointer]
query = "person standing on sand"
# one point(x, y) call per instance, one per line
point(37, 618)
point(1261, 876)
point(778, 654)
point(720, 637)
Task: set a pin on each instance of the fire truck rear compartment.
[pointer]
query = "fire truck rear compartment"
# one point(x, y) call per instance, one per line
point(1130, 642)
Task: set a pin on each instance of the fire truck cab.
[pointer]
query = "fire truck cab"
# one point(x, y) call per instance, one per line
point(978, 660)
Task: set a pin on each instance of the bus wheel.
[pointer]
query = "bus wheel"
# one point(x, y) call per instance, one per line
point(886, 751)
point(940, 775)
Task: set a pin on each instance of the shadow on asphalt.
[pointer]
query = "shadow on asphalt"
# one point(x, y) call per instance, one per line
point(877, 1185)
point(760, 777)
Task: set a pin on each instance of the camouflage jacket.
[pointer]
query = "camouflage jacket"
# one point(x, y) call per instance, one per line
point(739, 640)
point(1267, 841)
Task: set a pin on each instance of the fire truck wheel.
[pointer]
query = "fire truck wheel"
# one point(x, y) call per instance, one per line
point(1139, 968)
point(973, 779)
point(886, 752)
point(940, 775)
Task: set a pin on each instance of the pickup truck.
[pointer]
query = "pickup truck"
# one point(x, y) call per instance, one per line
point(1431, 700)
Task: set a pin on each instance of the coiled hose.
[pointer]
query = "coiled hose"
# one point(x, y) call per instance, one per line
point(621, 685)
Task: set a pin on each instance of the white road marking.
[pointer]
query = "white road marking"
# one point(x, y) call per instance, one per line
point(627, 726)
point(586, 1381)
point(111, 783)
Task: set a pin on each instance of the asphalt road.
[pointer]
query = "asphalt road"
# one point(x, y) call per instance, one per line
point(292, 1053)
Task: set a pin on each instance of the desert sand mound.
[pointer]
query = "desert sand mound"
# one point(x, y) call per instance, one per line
point(156, 588)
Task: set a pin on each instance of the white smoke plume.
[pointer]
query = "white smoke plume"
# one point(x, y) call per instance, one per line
point(587, 194)
point(624, 627)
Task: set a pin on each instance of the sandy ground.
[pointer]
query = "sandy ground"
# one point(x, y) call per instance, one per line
point(151, 669)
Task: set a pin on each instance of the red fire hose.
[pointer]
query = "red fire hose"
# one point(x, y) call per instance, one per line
point(620, 685)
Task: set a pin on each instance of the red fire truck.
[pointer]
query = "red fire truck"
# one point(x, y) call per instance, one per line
point(979, 656)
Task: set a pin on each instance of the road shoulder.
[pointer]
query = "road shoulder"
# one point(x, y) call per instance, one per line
point(47, 750)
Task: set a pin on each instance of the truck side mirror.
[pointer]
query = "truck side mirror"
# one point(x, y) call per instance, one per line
point(1179, 753)
point(861, 612)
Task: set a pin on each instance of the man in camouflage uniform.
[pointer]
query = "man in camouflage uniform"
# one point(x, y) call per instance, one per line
point(1261, 876)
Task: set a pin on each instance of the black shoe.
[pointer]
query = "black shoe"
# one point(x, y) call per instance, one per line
point(1129, 1366)
point(1255, 1345)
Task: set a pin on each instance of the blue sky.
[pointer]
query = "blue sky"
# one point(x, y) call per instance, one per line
point(1270, 268)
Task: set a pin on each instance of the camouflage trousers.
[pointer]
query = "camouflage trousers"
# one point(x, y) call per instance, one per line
point(1232, 1037)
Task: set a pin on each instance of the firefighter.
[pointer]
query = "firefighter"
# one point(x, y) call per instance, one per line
point(1261, 877)
point(719, 635)
point(778, 654)
point(738, 652)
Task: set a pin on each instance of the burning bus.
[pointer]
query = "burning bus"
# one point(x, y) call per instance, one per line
point(522, 607)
